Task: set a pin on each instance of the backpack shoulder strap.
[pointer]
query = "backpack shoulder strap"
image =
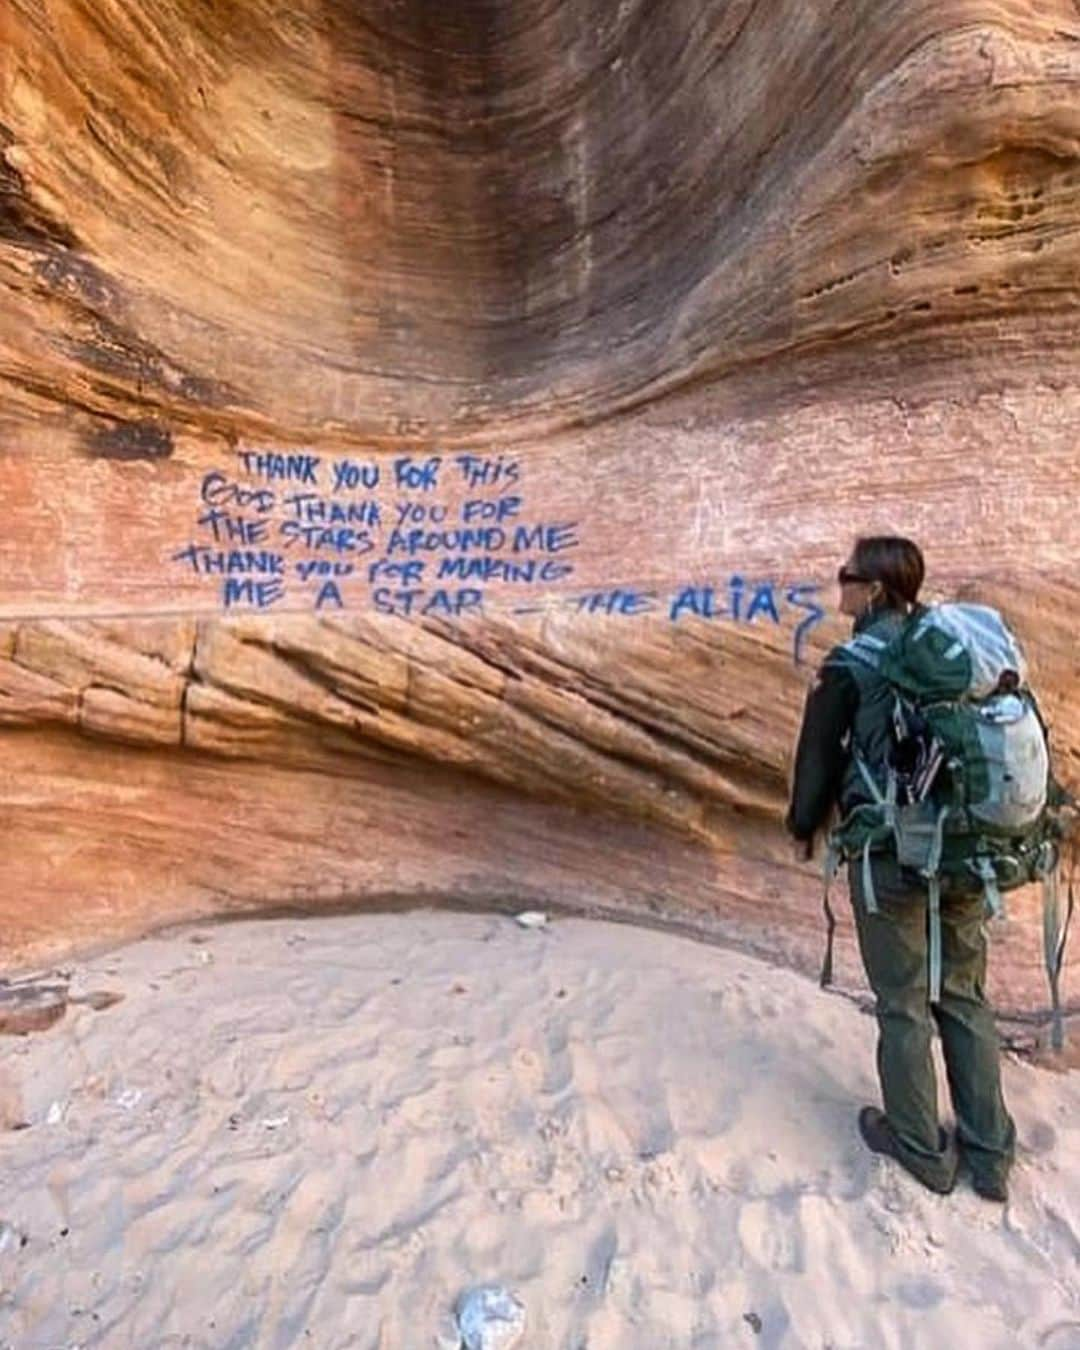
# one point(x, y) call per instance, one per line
point(864, 651)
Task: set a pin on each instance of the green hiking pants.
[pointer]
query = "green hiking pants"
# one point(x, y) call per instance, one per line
point(893, 943)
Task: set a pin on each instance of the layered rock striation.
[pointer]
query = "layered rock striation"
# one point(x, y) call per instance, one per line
point(713, 285)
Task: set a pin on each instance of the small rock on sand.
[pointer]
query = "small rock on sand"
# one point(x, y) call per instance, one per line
point(490, 1318)
point(31, 1007)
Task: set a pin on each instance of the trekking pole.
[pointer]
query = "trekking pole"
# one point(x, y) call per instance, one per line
point(1055, 937)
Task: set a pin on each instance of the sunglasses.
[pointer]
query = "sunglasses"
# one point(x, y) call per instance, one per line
point(846, 577)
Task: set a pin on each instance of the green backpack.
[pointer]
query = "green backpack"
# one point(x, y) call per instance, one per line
point(966, 797)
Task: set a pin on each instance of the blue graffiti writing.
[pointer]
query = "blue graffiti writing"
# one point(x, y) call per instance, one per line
point(348, 475)
point(261, 594)
point(329, 594)
point(427, 603)
point(480, 471)
point(545, 538)
point(763, 601)
point(805, 597)
point(736, 588)
point(338, 539)
point(282, 468)
point(527, 570)
point(313, 510)
point(417, 475)
point(407, 573)
point(497, 509)
point(307, 568)
point(488, 540)
point(617, 601)
point(445, 527)
point(766, 600)
point(228, 529)
point(418, 512)
point(704, 602)
point(208, 561)
point(699, 601)
point(217, 490)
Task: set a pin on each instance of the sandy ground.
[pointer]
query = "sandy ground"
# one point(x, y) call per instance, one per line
point(318, 1133)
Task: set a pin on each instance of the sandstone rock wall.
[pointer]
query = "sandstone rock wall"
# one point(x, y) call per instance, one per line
point(727, 282)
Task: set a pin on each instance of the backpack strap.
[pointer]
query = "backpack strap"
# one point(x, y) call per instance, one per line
point(883, 799)
point(995, 906)
point(869, 896)
point(1055, 935)
point(864, 649)
point(932, 872)
point(886, 804)
point(933, 891)
point(832, 862)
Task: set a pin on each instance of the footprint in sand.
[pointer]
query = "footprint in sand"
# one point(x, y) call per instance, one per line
point(528, 1070)
point(920, 1292)
point(772, 1235)
point(1063, 1336)
point(559, 1067)
point(1040, 1137)
point(1061, 1228)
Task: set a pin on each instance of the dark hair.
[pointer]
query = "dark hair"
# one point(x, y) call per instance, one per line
point(895, 562)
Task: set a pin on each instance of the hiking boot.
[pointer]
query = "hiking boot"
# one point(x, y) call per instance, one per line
point(878, 1136)
point(989, 1168)
point(991, 1188)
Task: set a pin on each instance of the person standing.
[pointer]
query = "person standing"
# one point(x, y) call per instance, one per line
point(848, 718)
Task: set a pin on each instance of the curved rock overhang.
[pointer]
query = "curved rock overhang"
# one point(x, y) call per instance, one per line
point(406, 220)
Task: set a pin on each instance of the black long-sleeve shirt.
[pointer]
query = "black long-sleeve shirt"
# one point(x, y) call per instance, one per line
point(823, 748)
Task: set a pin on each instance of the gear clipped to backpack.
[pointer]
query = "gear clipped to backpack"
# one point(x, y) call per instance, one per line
point(967, 797)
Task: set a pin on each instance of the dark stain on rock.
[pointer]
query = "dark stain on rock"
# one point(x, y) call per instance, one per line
point(22, 221)
point(78, 278)
point(130, 440)
point(113, 350)
point(98, 337)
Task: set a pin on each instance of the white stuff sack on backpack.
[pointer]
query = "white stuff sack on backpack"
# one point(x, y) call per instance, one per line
point(967, 650)
point(981, 632)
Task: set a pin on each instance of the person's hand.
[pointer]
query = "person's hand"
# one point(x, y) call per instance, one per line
point(802, 850)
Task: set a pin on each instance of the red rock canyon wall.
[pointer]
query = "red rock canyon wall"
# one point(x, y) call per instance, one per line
point(642, 298)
